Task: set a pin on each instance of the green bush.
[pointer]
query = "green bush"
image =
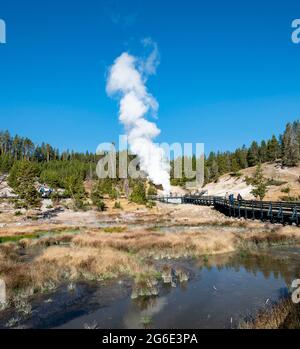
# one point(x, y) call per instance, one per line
point(152, 190)
point(138, 194)
point(275, 182)
point(22, 179)
point(286, 190)
point(290, 198)
point(51, 178)
point(101, 206)
point(236, 174)
point(117, 205)
point(150, 204)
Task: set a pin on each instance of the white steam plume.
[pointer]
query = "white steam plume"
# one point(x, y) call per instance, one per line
point(128, 76)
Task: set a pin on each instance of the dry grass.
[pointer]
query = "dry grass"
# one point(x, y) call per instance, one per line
point(273, 318)
point(99, 263)
point(99, 254)
point(35, 229)
point(272, 236)
point(56, 264)
point(114, 229)
point(157, 244)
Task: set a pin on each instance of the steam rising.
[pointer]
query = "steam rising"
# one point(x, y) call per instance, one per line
point(128, 76)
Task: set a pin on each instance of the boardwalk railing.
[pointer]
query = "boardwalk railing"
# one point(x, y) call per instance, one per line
point(272, 211)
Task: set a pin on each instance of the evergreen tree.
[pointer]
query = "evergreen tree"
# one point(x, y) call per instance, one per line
point(22, 179)
point(234, 165)
point(273, 149)
point(253, 155)
point(138, 194)
point(74, 188)
point(97, 197)
point(259, 183)
point(241, 157)
point(290, 146)
point(262, 152)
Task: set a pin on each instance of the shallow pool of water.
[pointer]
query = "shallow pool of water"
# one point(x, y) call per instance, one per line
point(221, 292)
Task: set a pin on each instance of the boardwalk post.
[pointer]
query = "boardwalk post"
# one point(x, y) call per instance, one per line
point(280, 214)
point(261, 211)
point(295, 216)
point(270, 212)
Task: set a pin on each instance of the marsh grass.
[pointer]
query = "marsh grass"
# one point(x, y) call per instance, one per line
point(145, 284)
point(114, 229)
point(91, 326)
point(36, 235)
point(266, 240)
point(282, 315)
point(146, 320)
point(16, 238)
point(13, 322)
point(70, 255)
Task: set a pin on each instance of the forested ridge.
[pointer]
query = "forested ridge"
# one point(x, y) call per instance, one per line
point(26, 162)
point(285, 148)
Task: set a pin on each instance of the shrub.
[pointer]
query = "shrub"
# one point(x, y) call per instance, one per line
point(152, 190)
point(290, 198)
point(101, 206)
point(114, 229)
point(97, 197)
point(286, 190)
point(52, 178)
point(236, 174)
point(150, 204)
point(275, 182)
point(117, 205)
point(138, 194)
point(55, 197)
point(74, 187)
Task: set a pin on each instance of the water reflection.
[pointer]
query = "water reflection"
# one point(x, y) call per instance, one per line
point(224, 290)
point(221, 292)
point(142, 311)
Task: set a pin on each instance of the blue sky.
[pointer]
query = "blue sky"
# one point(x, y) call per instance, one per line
point(229, 72)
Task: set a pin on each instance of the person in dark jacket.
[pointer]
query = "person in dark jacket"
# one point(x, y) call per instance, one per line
point(239, 197)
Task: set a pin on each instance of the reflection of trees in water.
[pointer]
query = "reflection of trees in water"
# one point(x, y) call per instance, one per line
point(264, 262)
point(143, 308)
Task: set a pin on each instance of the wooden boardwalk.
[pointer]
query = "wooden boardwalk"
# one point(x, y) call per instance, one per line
point(271, 211)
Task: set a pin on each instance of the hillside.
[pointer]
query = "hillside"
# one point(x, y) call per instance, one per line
point(282, 177)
